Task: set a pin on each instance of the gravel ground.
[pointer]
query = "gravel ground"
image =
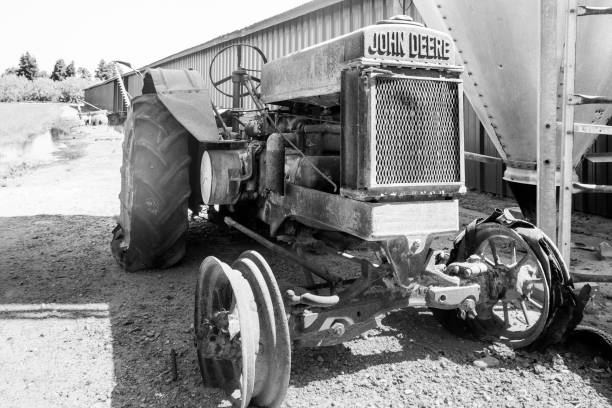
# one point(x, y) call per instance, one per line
point(76, 331)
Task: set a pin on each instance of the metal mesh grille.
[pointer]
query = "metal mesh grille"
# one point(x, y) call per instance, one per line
point(417, 131)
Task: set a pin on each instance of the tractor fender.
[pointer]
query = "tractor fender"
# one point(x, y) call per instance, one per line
point(186, 97)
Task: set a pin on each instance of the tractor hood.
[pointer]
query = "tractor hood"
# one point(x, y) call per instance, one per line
point(312, 75)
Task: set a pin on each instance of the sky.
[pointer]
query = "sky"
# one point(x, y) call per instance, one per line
point(136, 31)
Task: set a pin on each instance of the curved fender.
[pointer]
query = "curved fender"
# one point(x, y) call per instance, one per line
point(184, 94)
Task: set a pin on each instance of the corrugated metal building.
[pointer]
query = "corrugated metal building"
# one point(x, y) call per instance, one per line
point(277, 36)
point(318, 21)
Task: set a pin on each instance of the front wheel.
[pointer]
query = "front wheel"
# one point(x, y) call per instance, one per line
point(528, 299)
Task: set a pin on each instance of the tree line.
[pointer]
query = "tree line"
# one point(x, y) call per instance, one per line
point(28, 68)
point(66, 83)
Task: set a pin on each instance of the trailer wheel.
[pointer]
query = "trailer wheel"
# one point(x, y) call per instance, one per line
point(535, 304)
point(155, 188)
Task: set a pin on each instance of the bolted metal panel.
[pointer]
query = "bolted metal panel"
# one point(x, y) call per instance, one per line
point(416, 131)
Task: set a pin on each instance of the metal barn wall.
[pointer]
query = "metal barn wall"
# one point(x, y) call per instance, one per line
point(487, 177)
point(101, 96)
point(280, 39)
point(280, 35)
point(596, 173)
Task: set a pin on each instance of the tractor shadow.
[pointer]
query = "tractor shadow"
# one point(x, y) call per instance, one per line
point(413, 340)
point(83, 332)
point(146, 336)
point(403, 336)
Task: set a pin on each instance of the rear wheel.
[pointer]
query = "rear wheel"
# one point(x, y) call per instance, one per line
point(155, 188)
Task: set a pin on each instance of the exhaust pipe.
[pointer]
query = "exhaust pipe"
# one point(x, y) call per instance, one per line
point(275, 163)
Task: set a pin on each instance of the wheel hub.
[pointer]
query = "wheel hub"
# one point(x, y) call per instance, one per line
point(219, 337)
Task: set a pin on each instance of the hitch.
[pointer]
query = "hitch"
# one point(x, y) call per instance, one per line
point(452, 297)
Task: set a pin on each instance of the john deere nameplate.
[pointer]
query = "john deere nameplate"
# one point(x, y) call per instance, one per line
point(413, 44)
point(401, 44)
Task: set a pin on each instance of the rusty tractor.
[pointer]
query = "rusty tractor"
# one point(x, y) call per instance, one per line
point(353, 148)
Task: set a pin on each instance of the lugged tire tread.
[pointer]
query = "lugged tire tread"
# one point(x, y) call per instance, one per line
point(156, 163)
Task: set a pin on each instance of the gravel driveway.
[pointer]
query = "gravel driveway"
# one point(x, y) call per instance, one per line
point(76, 331)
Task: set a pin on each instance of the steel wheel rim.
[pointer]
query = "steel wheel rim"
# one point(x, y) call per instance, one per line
point(242, 332)
point(274, 390)
point(526, 320)
point(233, 376)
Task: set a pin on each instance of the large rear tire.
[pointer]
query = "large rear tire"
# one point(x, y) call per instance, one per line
point(155, 188)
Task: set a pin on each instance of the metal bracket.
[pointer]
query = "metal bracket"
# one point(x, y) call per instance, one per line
point(311, 299)
point(599, 157)
point(325, 275)
point(592, 11)
point(591, 188)
point(578, 99)
point(481, 158)
point(408, 256)
point(592, 128)
point(451, 297)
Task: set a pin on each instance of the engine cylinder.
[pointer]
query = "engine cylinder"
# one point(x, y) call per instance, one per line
point(302, 172)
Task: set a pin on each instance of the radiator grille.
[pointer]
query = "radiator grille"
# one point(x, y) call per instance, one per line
point(416, 131)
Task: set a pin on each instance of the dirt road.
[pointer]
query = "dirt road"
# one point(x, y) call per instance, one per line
point(76, 331)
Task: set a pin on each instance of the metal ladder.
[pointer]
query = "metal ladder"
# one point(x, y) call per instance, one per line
point(569, 127)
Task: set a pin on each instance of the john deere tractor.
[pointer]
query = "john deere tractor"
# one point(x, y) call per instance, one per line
point(352, 148)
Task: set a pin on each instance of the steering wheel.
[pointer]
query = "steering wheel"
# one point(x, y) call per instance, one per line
point(240, 69)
